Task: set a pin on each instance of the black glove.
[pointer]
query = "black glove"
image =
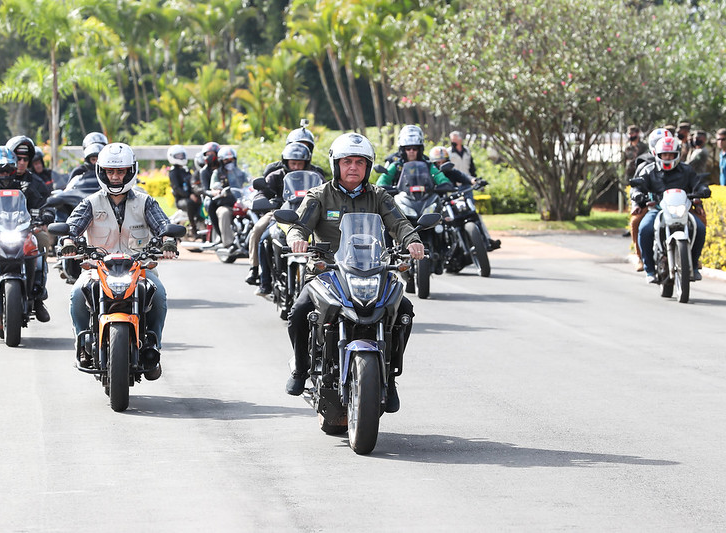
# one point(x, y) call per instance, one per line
point(639, 198)
point(47, 217)
point(169, 245)
point(482, 182)
point(69, 249)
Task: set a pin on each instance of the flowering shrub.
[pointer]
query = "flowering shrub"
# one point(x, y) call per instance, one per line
point(714, 252)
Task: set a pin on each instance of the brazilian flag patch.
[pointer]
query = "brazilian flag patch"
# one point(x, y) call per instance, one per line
point(333, 215)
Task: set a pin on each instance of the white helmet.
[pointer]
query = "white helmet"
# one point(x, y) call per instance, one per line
point(177, 155)
point(93, 138)
point(347, 145)
point(655, 136)
point(117, 155)
point(410, 136)
point(91, 150)
point(667, 145)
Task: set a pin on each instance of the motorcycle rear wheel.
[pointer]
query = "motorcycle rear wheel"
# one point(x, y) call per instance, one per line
point(478, 250)
point(423, 277)
point(683, 272)
point(12, 311)
point(224, 256)
point(118, 366)
point(364, 402)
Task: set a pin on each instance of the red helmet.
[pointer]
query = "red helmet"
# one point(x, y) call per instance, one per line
point(667, 145)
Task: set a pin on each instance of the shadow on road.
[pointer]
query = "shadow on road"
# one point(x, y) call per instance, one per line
point(49, 343)
point(438, 327)
point(703, 301)
point(208, 408)
point(503, 298)
point(498, 275)
point(445, 449)
point(194, 303)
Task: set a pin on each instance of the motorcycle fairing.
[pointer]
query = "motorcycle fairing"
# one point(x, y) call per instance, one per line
point(357, 346)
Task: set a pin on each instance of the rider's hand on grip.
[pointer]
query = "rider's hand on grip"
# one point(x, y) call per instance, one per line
point(69, 249)
point(299, 246)
point(416, 249)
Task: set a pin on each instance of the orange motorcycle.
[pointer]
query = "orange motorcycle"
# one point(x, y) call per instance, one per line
point(118, 296)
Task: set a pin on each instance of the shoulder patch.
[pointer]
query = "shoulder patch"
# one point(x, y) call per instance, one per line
point(332, 215)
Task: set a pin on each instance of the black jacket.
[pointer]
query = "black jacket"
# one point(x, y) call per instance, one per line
point(656, 181)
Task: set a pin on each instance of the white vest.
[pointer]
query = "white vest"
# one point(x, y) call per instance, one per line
point(104, 230)
point(462, 163)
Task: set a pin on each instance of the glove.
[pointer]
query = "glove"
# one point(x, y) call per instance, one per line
point(169, 245)
point(639, 198)
point(69, 249)
point(482, 182)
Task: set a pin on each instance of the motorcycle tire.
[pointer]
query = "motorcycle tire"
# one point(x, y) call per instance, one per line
point(118, 366)
point(224, 256)
point(478, 250)
point(12, 311)
point(682, 272)
point(423, 277)
point(364, 402)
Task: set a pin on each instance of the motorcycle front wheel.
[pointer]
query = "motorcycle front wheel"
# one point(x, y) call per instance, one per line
point(423, 277)
point(364, 402)
point(118, 366)
point(12, 311)
point(682, 272)
point(478, 250)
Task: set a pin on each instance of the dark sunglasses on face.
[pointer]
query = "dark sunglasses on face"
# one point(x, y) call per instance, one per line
point(23, 158)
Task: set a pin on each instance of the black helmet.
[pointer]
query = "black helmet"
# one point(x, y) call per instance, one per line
point(296, 151)
point(38, 155)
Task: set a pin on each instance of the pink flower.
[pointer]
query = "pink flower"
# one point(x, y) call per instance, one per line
point(563, 83)
point(530, 50)
point(544, 92)
point(443, 46)
point(569, 75)
point(610, 49)
point(426, 66)
point(514, 77)
point(657, 48)
point(617, 34)
point(597, 99)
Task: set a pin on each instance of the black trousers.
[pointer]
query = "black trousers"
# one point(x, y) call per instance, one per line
point(298, 327)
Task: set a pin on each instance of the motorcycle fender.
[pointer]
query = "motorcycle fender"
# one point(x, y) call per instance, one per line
point(360, 345)
point(677, 236)
point(105, 320)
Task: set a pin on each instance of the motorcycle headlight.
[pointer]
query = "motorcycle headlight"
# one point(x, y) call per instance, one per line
point(363, 289)
point(677, 210)
point(119, 284)
point(11, 237)
point(433, 208)
point(407, 210)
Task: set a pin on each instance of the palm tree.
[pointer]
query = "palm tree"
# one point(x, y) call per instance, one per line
point(52, 30)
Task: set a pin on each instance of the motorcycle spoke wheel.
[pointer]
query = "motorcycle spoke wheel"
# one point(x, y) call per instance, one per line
point(118, 366)
point(478, 250)
point(364, 402)
point(682, 272)
point(423, 277)
point(12, 312)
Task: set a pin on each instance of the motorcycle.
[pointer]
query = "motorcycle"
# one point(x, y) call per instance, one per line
point(675, 231)
point(417, 196)
point(354, 342)
point(18, 254)
point(288, 270)
point(118, 296)
point(464, 237)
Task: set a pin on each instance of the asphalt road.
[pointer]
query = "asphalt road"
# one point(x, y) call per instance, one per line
point(562, 393)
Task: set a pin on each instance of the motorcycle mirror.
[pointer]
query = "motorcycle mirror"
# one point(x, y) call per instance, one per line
point(429, 220)
point(286, 216)
point(175, 230)
point(59, 228)
point(259, 184)
point(380, 169)
point(445, 167)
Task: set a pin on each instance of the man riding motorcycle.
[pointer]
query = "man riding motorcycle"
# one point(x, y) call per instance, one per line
point(351, 159)
point(120, 220)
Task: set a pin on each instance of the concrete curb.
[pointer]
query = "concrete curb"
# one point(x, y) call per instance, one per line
point(710, 273)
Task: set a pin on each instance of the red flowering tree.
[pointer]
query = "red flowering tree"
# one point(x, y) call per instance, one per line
point(544, 80)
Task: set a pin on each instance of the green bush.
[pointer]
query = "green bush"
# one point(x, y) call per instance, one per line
point(508, 191)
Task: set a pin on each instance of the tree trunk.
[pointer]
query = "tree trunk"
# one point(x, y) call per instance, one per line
point(135, 82)
point(376, 105)
point(54, 114)
point(326, 88)
point(335, 68)
point(354, 98)
point(78, 110)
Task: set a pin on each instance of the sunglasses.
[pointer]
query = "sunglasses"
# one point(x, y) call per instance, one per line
point(23, 158)
point(721, 139)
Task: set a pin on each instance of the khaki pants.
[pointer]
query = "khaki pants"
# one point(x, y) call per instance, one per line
point(255, 235)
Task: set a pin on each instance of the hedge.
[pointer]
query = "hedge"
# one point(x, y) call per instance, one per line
point(714, 252)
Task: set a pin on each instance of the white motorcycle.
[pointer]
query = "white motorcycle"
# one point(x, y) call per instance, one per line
point(675, 232)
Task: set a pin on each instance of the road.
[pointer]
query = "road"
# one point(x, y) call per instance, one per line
point(562, 393)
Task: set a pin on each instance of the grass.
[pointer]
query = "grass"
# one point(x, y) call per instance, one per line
point(598, 220)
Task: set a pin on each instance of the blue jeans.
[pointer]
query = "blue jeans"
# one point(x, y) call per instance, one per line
point(646, 236)
point(81, 316)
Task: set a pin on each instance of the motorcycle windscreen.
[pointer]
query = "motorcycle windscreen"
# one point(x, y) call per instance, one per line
point(416, 180)
point(14, 214)
point(362, 246)
point(297, 183)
